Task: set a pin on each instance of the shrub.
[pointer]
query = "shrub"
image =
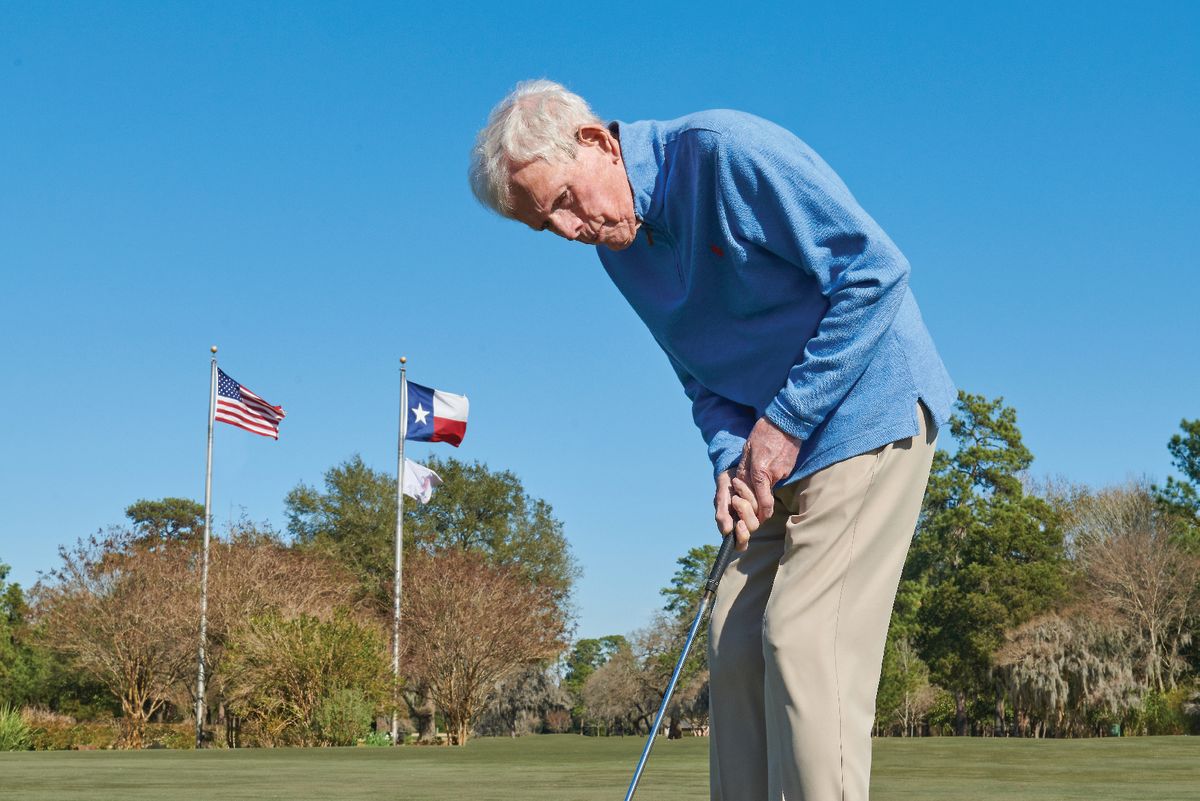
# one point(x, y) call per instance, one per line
point(54, 735)
point(14, 731)
point(1169, 713)
point(282, 672)
point(181, 736)
point(38, 716)
point(558, 721)
point(527, 723)
point(343, 717)
point(942, 713)
point(378, 739)
point(51, 732)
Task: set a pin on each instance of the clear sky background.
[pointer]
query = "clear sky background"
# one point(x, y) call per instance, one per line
point(287, 181)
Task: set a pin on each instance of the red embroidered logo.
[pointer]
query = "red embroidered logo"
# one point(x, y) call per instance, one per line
point(720, 254)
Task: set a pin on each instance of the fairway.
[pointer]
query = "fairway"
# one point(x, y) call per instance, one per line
point(571, 768)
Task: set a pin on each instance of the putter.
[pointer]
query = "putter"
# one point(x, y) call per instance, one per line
point(710, 590)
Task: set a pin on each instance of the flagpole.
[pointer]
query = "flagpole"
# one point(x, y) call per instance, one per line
point(399, 552)
point(212, 411)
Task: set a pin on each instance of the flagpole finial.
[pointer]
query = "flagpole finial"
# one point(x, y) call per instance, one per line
point(404, 360)
point(213, 348)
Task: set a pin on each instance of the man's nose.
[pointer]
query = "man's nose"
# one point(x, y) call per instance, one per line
point(567, 226)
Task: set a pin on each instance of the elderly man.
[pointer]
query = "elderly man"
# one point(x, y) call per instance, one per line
point(786, 313)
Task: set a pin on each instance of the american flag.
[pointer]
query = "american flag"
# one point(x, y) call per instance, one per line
point(240, 407)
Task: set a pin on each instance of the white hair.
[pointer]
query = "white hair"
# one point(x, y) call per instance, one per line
point(539, 119)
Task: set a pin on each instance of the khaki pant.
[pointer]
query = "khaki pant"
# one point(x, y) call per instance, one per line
point(799, 625)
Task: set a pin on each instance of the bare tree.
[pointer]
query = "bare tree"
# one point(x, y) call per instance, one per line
point(1132, 565)
point(657, 648)
point(469, 625)
point(125, 613)
point(124, 606)
point(615, 693)
point(691, 701)
point(625, 692)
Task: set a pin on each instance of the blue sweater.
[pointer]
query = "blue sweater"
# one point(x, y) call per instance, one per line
point(772, 292)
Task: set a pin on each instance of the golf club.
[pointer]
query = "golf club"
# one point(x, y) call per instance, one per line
point(710, 590)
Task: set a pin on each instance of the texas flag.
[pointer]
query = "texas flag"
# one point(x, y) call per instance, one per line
point(435, 416)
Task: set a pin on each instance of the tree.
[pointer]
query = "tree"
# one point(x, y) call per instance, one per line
point(251, 572)
point(625, 692)
point(657, 648)
point(469, 625)
point(905, 695)
point(488, 512)
point(687, 585)
point(476, 509)
point(1070, 673)
point(987, 556)
point(353, 520)
point(30, 675)
point(1181, 496)
point(587, 655)
point(165, 520)
point(1134, 566)
point(124, 607)
point(523, 703)
point(626, 689)
point(663, 644)
point(13, 611)
point(614, 694)
point(125, 614)
point(585, 658)
point(18, 667)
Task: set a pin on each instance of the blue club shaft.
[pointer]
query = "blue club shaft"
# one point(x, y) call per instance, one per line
point(710, 590)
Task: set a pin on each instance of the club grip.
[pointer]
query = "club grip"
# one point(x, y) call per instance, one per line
point(722, 562)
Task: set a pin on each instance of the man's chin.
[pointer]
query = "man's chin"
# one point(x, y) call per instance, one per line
point(617, 243)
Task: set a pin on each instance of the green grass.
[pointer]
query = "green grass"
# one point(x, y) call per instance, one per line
point(572, 768)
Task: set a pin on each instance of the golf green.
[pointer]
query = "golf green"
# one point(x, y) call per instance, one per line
point(572, 768)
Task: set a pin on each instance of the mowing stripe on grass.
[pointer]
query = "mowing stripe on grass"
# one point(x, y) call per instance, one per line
point(573, 768)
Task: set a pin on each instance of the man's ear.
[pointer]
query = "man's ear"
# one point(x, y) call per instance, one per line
point(597, 135)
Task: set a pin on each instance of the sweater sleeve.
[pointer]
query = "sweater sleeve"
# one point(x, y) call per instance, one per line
point(778, 195)
point(724, 424)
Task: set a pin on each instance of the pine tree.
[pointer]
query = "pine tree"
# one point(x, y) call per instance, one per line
point(1181, 496)
point(987, 556)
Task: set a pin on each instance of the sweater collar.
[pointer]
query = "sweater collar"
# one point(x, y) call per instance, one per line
point(642, 154)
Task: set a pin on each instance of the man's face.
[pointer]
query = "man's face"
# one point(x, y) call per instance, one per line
point(586, 200)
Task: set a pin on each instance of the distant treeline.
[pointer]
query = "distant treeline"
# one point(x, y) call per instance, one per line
point(1027, 610)
point(103, 650)
point(1024, 610)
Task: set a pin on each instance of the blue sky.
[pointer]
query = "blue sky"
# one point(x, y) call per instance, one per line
point(287, 181)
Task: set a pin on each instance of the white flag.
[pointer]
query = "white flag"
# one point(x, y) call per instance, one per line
point(419, 481)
